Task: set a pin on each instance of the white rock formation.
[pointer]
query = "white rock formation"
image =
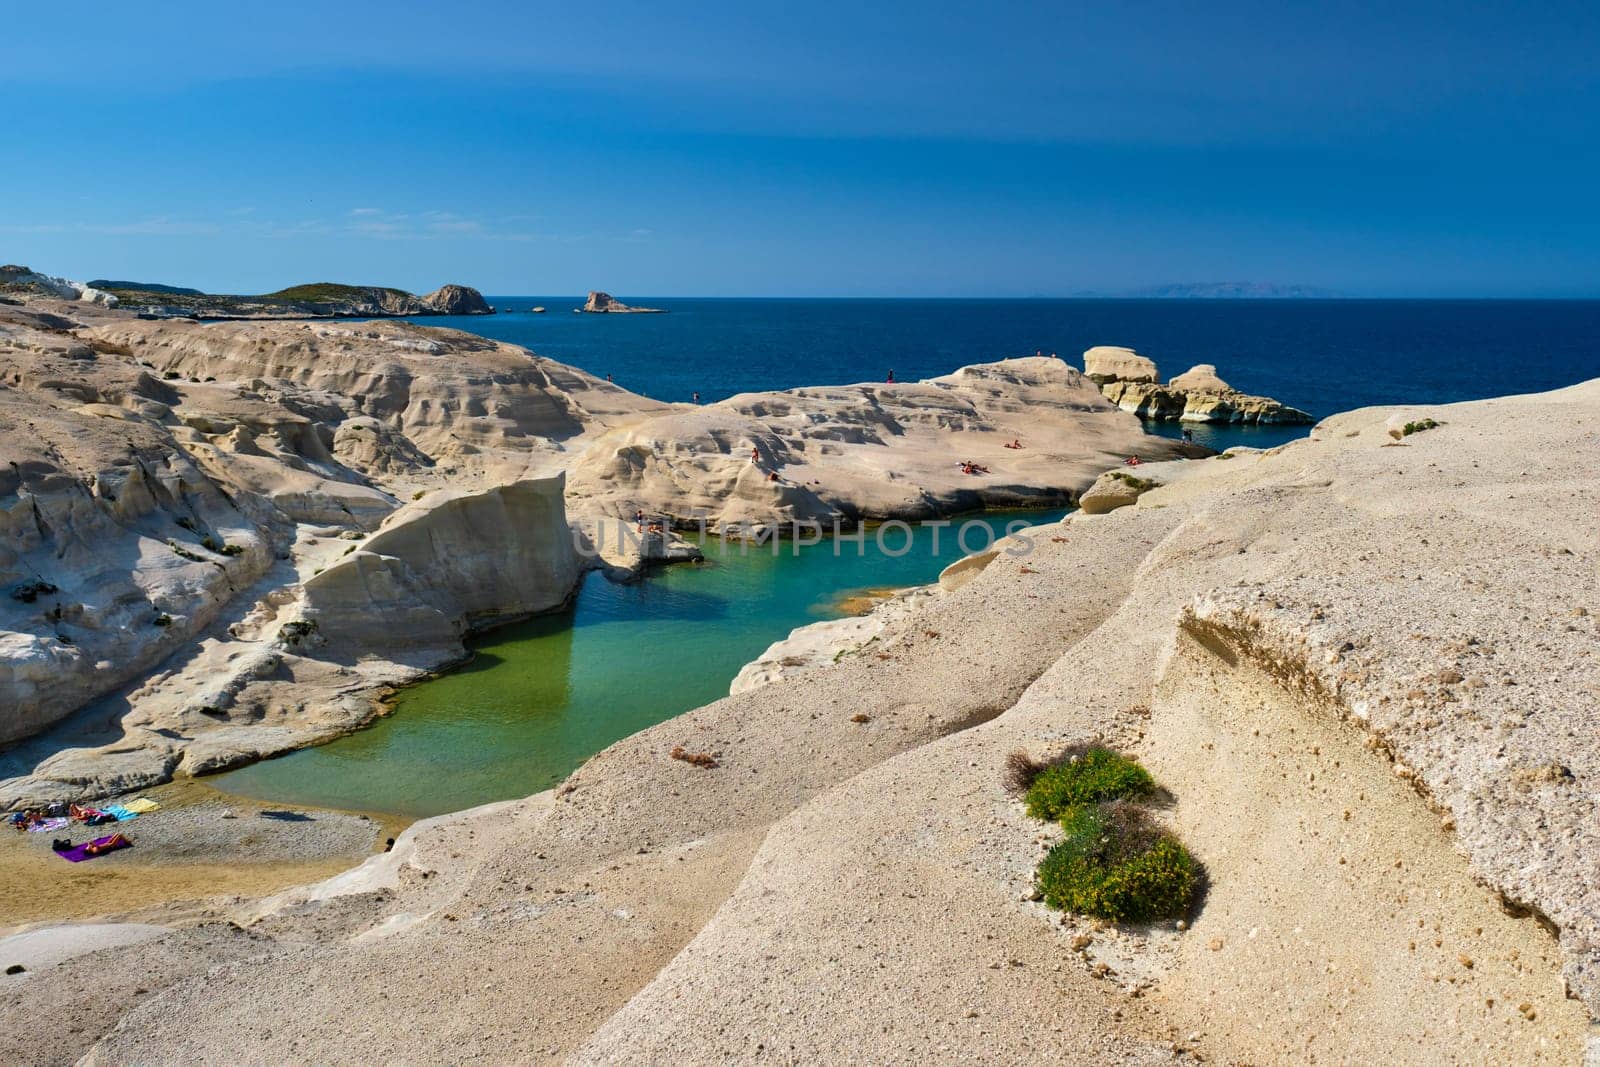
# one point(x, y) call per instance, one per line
point(453, 562)
point(1112, 363)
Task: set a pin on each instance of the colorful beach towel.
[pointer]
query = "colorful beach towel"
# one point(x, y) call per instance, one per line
point(122, 813)
point(79, 853)
point(142, 806)
point(45, 826)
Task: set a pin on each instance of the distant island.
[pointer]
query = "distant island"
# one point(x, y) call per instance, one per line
point(605, 304)
point(314, 301)
point(1233, 291)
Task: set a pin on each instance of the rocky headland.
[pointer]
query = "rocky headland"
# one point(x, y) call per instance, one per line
point(321, 300)
point(600, 303)
point(1132, 382)
point(1362, 669)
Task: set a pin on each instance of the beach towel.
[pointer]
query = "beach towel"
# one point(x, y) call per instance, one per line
point(142, 806)
point(45, 826)
point(77, 853)
point(121, 813)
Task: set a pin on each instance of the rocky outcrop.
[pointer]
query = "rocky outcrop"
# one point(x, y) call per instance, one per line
point(457, 300)
point(824, 643)
point(1198, 395)
point(450, 563)
point(22, 281)
point(319, 300)
point(605, 304)
point(849, 453)
point(174, 488)
point(1113, 490)
point(1110, 363)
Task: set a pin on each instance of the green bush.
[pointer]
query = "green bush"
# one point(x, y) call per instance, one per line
point(1094, 775)
point(1116, 864)
point(1417, 427)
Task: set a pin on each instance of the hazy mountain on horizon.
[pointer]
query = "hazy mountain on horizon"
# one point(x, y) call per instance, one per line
point(1233, 291)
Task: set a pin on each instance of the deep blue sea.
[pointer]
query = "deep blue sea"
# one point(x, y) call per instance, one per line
point(1323, 356)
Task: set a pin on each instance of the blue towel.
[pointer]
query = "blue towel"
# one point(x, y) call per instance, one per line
point(122, 814)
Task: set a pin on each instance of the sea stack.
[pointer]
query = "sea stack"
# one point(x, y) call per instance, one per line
point(600, 303)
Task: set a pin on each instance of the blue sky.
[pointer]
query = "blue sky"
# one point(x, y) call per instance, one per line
point(819, 149)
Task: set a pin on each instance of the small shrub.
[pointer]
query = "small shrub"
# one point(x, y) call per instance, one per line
point(419, 494)
point(233, 550)
point(171, 376)
point(1117, 864)
point(209, 543)
point(1417, 427)
point(163, 620)
point(1091, 776)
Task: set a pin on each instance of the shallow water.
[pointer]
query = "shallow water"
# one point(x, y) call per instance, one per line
point(542, 696)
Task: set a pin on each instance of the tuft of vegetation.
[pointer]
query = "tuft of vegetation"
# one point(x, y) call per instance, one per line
point(1117, 864)
point(163, 620)
point(1020, 771)
point(292, 633)
point(171, 376)
point(331, 292)
point(1417, 427)
point(1137, 484)
point(1086, 775)
point(184, 553)
point(28, 592)
point(232, 550)
point(419, 494)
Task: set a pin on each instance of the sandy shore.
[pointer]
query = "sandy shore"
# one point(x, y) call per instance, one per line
point(203, 850)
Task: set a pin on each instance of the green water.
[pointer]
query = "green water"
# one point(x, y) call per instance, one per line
point(540, 697)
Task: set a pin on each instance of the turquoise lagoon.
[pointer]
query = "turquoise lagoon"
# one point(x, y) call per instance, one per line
point(540, 697)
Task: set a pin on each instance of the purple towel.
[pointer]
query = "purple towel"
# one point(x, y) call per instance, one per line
point(76, 853)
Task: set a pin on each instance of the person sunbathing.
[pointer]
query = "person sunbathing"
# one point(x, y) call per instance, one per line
point(115, 841)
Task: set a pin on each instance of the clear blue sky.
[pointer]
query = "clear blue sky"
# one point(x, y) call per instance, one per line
point(807, 149)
